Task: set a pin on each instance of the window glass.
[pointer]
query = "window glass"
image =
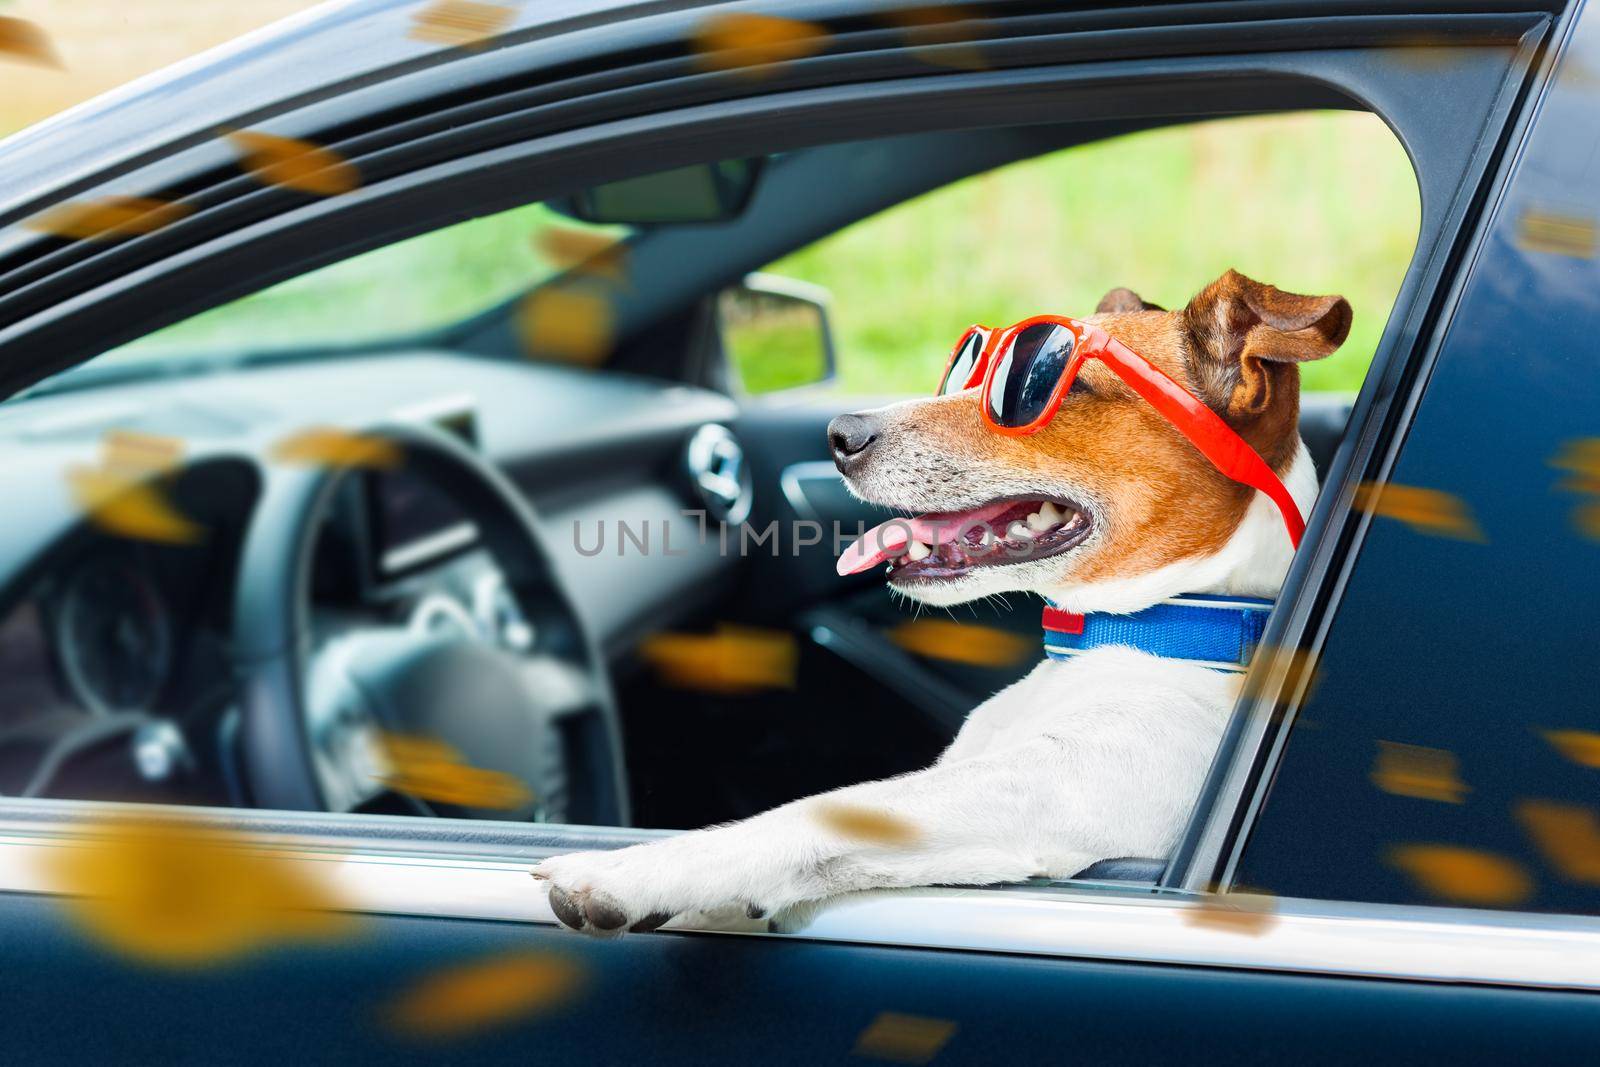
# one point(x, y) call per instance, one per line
point(408, 288)
point(1333, 208)
point(1449, 752)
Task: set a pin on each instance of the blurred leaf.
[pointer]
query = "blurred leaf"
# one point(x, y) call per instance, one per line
point(734, 659)
point(1426, 511)
point(1581, 459)
point(107, 218)
point(1301, 672)
point(1237, 911)
point(1416, 771)
point(957, 642)
point(470, 997)
point(1557, 234)
point(1567, 835)
point(741, 41)
point(595, 254)
point(25, 42)
point(566, 323)
point(460, 23)
point(1579, 746)
point(943, 36)
point(292, 164)
point(867, 825)
point(902, 1038)
point(177, 895)
point(433, 770)
point(324, 446)
point(123, 495)
point(1463, 875)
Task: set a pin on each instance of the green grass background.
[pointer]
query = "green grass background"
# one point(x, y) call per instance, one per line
point(1314, 203)
point(1323, 202)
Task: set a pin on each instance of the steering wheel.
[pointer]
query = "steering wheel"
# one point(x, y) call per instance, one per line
point(311, 714)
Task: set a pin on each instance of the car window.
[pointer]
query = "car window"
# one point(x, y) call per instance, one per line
point(408, 288)
point(1335, 209)
point(1448, 750)
point(284, 560)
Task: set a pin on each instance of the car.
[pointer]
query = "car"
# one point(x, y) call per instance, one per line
point(414, 467)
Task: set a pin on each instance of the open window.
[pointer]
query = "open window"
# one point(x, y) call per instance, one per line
point(331, 473)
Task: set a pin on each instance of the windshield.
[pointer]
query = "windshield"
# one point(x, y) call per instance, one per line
point(413, 287)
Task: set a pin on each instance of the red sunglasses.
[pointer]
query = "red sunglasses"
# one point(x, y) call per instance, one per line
point(1028, 369)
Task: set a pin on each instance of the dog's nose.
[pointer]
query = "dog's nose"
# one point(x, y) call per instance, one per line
point(851, 435)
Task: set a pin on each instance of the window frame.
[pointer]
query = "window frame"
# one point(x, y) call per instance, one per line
point(305, 236)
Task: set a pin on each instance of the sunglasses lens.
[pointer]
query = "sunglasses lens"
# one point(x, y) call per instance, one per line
point(955, 379)
point(1028, 372)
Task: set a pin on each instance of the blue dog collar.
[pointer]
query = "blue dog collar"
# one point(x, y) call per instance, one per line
point(1219, 632)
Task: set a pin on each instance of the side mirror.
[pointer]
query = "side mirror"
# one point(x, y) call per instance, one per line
point(775, 333)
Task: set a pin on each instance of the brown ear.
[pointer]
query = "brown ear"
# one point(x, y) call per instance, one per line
point(1121, 300)
point(1247, 336)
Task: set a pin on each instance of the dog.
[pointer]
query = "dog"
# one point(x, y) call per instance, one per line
point(1097, 755)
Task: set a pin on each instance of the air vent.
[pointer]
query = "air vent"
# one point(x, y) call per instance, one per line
point(719, 474)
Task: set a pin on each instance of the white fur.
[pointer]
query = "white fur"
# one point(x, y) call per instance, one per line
point(1091, 758)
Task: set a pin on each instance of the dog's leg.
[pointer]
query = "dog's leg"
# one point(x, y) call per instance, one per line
point(1000, 817)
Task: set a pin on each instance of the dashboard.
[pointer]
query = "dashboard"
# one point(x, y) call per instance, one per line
point(107, 636)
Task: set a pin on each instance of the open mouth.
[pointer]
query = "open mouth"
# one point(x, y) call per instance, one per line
point(944, 545)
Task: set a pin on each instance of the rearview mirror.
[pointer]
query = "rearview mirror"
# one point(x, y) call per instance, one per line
point(775, 333)
point(704, 192)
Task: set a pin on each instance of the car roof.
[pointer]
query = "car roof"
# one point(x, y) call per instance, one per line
point(316, 54)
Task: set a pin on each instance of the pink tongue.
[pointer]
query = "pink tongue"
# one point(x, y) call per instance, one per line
point(890, 538)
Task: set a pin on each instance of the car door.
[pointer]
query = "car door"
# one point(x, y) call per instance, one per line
point(455, 953)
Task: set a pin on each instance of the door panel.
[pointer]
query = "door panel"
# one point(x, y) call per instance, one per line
point(665, 998)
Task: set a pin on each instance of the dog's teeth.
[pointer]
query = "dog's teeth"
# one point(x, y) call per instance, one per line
point(1039, 521)
point(918, 551)
point(1017, 531)
point(1051, 514)
point(988, 537)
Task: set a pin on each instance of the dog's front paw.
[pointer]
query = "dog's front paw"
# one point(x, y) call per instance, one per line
point(589, 892)
point(639, 888)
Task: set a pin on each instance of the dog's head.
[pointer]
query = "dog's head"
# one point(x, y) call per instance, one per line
point(1108, 507)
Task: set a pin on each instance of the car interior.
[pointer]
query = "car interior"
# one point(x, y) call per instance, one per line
point(526, 533)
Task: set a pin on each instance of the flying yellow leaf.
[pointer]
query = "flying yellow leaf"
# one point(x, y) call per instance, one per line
point(748, 41)
point(1426, 511)
point(134, 453)
point(734, 659)
point(957, 642)
point(129, 507)
point(1556, 233)
point(473, 996)
point(584, 253)
point(432, 770)
point(1581, 460)
point(292, 164)
point(565, 323)
point(460, 23)
point(944, 36)
point(1417, 771)
point(1579, 746)
point(1463, 875)
point(324, 446)
point(904, 1038)
point(1237, 912)
point(25, 42)
point(868, 825)
point(1567, 835)
point(178, 895)
point(107, 218)
point(1301, 670)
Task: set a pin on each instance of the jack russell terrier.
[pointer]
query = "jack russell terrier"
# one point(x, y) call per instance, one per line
point(1141, 469)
